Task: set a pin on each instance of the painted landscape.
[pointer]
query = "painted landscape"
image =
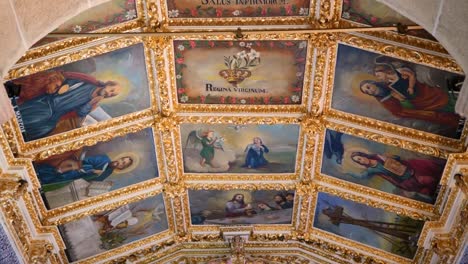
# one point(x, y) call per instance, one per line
point(371, 226)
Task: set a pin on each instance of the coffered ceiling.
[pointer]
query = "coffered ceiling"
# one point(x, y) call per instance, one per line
point(216, 120)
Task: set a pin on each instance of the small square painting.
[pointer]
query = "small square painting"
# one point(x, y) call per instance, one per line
point(95, 234)
point(95, 170)
point(235, 148)
point(371, 226)
point(240, 72)
point(237, 207)
point(236, 8)
point(397, 91)
point(382, 167)
point(82, 93)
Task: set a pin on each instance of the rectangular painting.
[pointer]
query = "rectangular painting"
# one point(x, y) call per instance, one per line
point(95, 234)
point(235, 148)
point(82, 93)
point(240, 207)
point(240, 72)
point(95, 170)
point(382, 167)
point(396, 91)
point(373, 13)
point(374, 227)
point(236, 8)
point(104, 15)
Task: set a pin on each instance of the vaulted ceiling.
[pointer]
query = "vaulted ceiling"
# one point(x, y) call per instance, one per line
point(236, 131)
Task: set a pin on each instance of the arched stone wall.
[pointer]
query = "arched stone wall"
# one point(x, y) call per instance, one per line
point(26, 21)
point(447, 21)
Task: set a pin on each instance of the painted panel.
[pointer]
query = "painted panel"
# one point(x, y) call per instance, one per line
point(99, 169)
point(235, 207)
point(373, 13)
point(239, 72)
point(82, 93)
point(104, 15)
point(236, 8)
point(232, 148)
point(368, 225)
point(95, 234)
point(396, 91)
point(382, 167)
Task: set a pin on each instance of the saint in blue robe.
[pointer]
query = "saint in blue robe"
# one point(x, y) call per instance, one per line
point(41, 114)
point(254, 158)
point(48, 174)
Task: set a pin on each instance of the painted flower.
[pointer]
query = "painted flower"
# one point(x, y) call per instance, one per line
point(253, 54)
point(219, 12)
point(193, 44)
point(303, 11)
point(178, 76)
point(242, 44)
point(266, 100)
point(236, 13)
point(233, 100)
point(131, 14)
point(173, 13)
point(211, 43)
point(263, 12)
point(295, 98)
point(181, 90)
point(184, 98)
point(77, 29)
point(180, 60)
point(286, 100)
point(242, 54)
point(298, 74)
point(249, 45)
point(181, 47)
point(303, 44)
point(288, 10)
point(242, 101)
point(222, 99)
point(202, 99)
point(345, 15)
point(194, 12)
point(374, 20)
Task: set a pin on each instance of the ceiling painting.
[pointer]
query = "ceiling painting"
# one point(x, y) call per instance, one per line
point(236, 8)
point(240, 207)
point(94, 234)
point(323, 147)
point(382, 167)
point(103, 16)
point(367, 225)
point(236, 148)
point(240, 72)
point(396, 91)
point(373, 13)
point(98, 169)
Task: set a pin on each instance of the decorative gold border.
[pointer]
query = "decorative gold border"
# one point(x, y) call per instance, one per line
point(236, 21)
point(25, 147)
point(404, 54)
point(59, 45)
point(237, 120)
